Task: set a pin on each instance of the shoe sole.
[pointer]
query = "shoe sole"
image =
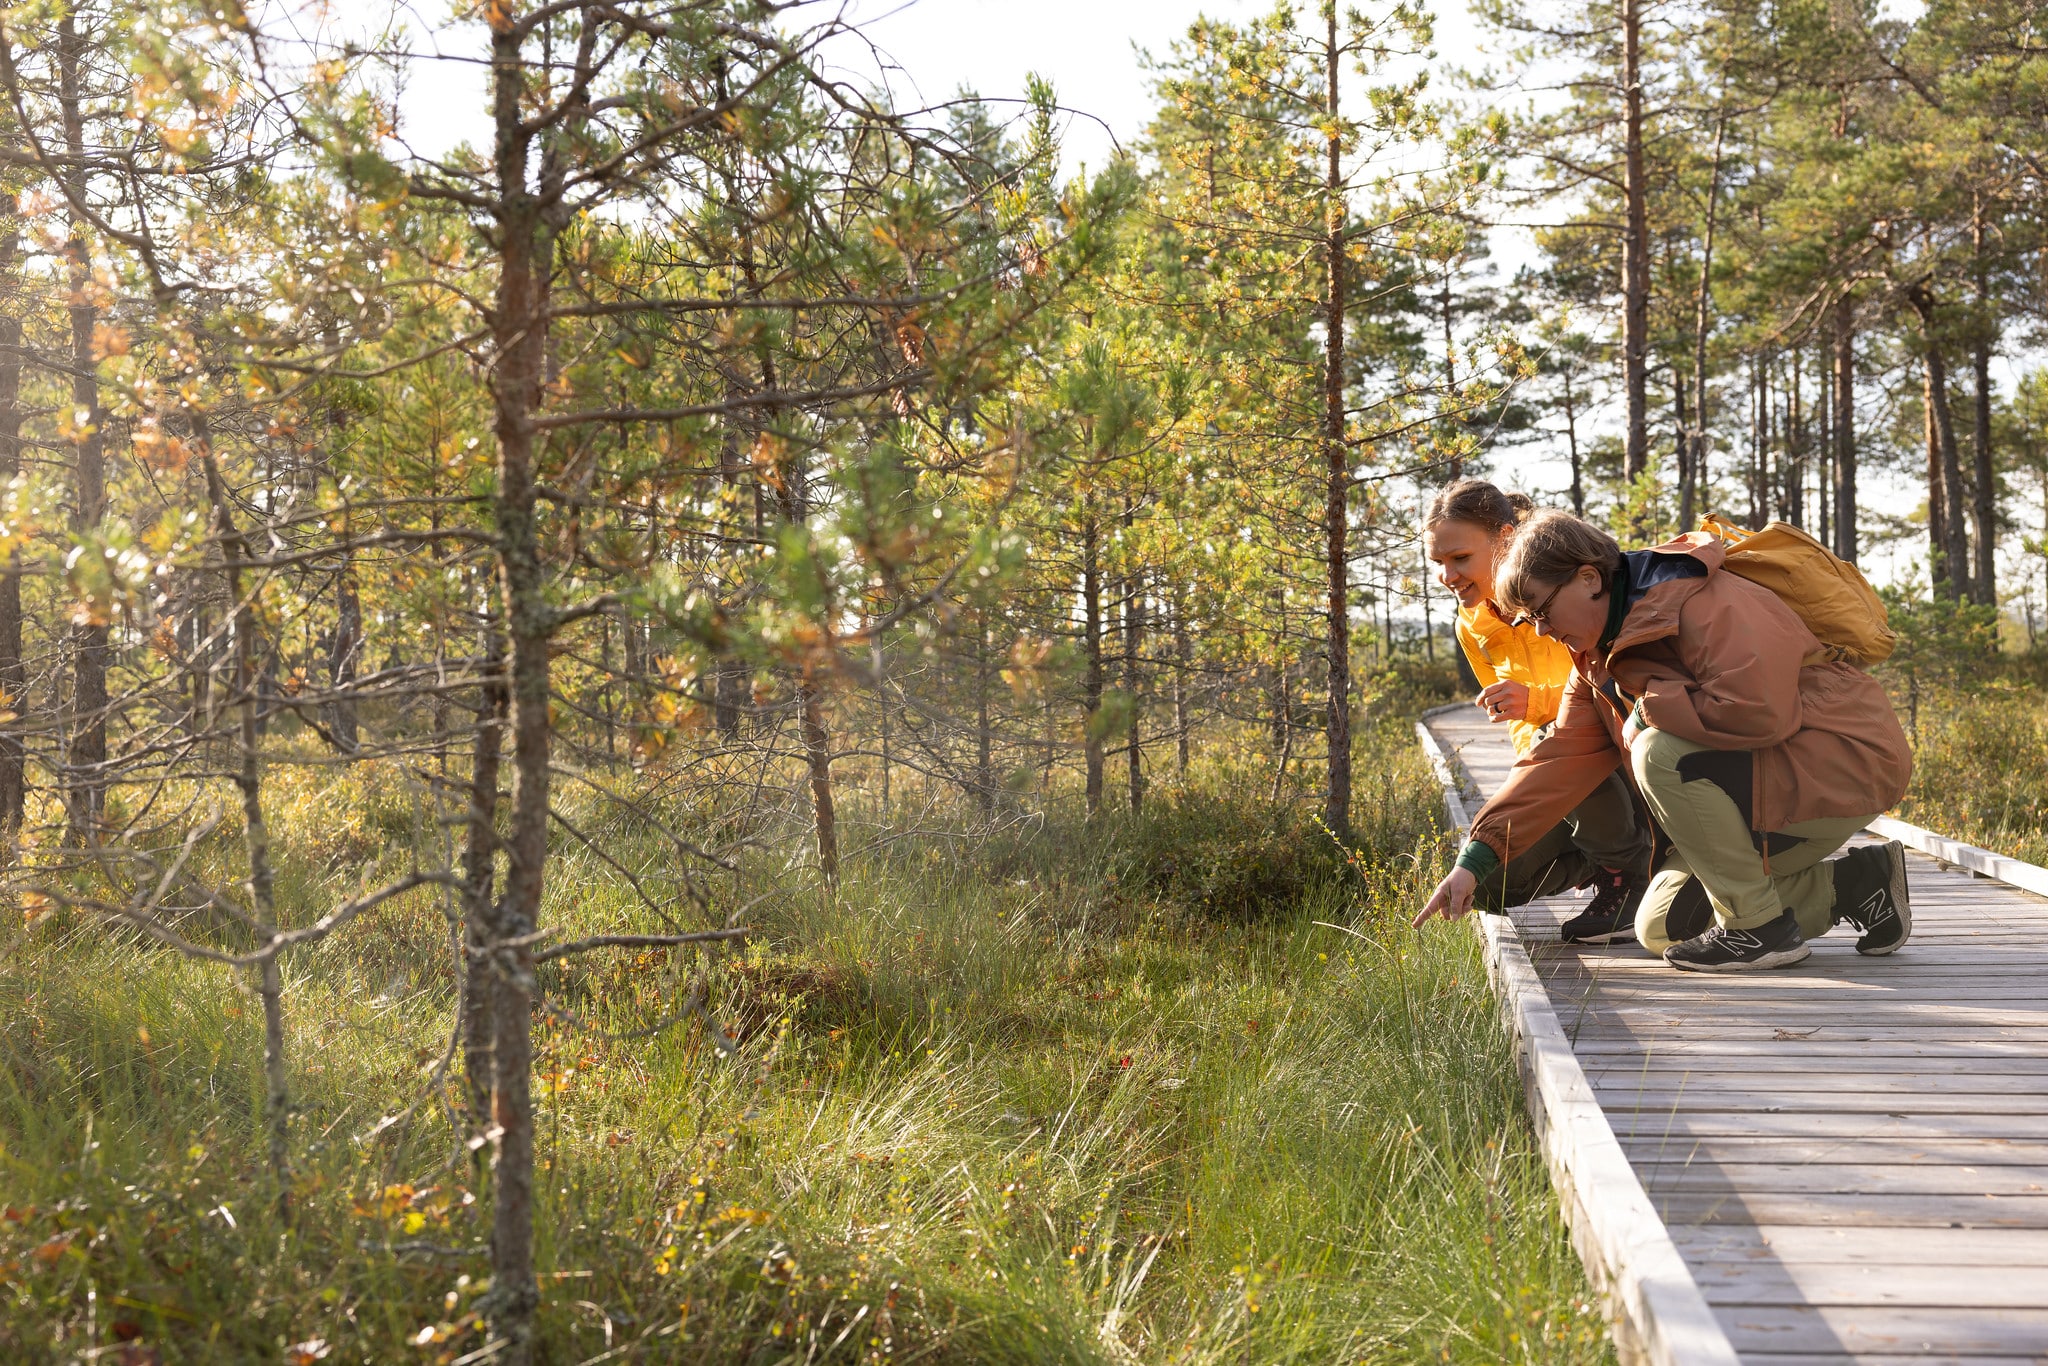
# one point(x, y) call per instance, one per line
point(1895, 856)
point(1611, 937)
point(1783, 958)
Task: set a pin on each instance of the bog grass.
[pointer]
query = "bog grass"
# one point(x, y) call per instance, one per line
point(1980, 764)
point(1173, 1087)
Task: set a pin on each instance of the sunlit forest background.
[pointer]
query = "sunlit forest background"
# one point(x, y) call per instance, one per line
point(741, 723)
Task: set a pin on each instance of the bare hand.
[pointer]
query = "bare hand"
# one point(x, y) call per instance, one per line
point(1453, 897)
point(1505, 701)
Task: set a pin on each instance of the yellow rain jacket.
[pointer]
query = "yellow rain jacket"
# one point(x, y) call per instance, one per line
point(1502, 653)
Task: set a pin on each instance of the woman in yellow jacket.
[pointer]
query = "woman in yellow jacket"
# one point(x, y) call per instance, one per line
point(1605, 841)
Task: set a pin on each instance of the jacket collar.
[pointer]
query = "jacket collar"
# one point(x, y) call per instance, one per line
point(1654, 584)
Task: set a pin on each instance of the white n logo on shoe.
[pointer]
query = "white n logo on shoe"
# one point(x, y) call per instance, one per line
point(1876, 908)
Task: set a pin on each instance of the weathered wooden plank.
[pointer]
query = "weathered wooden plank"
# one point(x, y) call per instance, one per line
point(1595, 1030)
point(1647, 1153)
point(1823, 1125)
point(1866, 1329)
point(1861, 1210)
point(1839, 1072)
point(1988, 967)
point(1818, 1051)
point(1929, 1358)
point(1763, 1281)
point(1754, 1082)
point(1895, 1012)
point(1843, 1178)
point(1630, 1100)
point(1795, 1244)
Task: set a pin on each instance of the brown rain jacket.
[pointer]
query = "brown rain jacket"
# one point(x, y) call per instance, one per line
point(1719, 661)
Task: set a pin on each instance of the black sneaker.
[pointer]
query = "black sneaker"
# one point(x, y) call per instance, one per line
point(1776, 945)
point(1611, 918)
point(1870, 893)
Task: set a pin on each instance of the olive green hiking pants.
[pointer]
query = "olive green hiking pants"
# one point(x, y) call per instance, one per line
point(1712, 844)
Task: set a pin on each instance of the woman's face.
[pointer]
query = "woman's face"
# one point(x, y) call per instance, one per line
point(1577, 614)
point(1463, 553)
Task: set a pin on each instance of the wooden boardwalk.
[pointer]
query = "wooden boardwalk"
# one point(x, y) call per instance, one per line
point(1851, 1155)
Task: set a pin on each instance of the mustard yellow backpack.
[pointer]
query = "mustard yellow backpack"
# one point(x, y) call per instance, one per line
point(1830, 595)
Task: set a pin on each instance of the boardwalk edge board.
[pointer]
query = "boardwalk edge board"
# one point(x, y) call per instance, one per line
point(2012, 872)
point(1657, 1311)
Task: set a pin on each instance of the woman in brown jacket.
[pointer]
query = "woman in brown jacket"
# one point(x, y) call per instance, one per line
point(1757, 755)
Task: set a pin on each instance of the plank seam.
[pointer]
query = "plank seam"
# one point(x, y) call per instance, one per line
point(1655, 1307)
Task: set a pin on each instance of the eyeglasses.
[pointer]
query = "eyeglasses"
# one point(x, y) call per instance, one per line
point(1540, 616)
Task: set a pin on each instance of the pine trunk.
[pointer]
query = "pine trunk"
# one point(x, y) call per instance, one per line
point(85, 786)
point(1091, 636)
point(519, 325)
point(1337, 494)
point(1845, 429)
point(818, 760)
point(479, 875)
point(1635, 247)
point(1984, 494)
point(13, 677)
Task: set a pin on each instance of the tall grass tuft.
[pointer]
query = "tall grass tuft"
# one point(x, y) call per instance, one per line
point(1176, 1086)
point(1980, 766)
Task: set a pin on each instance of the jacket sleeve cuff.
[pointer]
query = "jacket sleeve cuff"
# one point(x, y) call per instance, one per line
point(1479, 860)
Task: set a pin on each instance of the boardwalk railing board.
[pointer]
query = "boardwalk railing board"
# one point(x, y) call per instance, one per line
point(1657, 1311)
point(2027, 877)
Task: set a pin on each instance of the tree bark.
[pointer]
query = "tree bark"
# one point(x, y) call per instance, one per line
point(818, 759)
point(1758, 408)
point(343, 659)
point(479, 874)
point(1938, 575)
point(1945, 472)
point(520, 331)
point(984, 739)
point(1845, 428)
point(1337, 494)
point(85, 766)
point(880, 657)
point(13, 677)
point(1571, 432)
point(1793, 475)
point(255, 829)
point(1183, 658)
point(1134, 640)
point(1091, 637)
point(1824, 448)
point(1984, 494)
point(1635, 247)
point(1693, 471)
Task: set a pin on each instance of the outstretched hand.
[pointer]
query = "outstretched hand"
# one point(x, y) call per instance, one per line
point(1453, 897)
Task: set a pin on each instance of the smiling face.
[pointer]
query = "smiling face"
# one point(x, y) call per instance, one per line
point(1577, 614)
point(1464, 554)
